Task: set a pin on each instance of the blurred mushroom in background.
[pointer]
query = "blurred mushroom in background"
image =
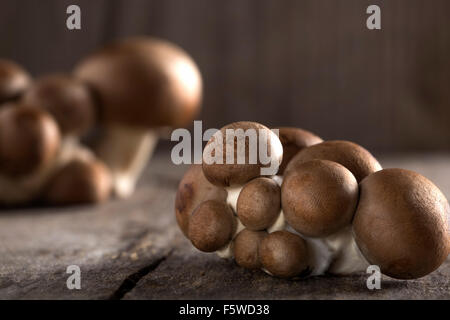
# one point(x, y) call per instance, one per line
point(143, 85)
point(14, 80)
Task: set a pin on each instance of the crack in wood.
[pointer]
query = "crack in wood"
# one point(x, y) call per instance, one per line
point(132, 280)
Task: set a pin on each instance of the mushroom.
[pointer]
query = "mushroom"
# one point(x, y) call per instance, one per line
point(67, 99)
point(193, 189)
point(29, 148)
point(284, 254)
point(402, 223)
point(294, 140)
point(246, 246)
point(232, 156)
point(14, 80)
point(352, 156)
point(319, 197)
point(143, 84)
point(211, 226)
point(259, 203)
point(82, 180)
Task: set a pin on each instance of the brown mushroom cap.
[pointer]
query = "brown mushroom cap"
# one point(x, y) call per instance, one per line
point(246, 246)
point(294, 140)
point(67, 99)
point(29, 140)
point(284, 254)
point(259, 203)
point(211, 226)
point(144, 82)
point(225, 174)
point(193, 189)
point(14, 80)
point(352, 156)
point(81, 181)
point(319, 197)
point(402, 223)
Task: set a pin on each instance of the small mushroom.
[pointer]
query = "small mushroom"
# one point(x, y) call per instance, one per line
point(29, 148)
point(319, 197)
point(193, 189)
point(211, 226)
point(284, 254)
point(143, 85)
point(67, 99)
point(259, 203)
point(352, 156)
point(14, 80)
point(294, 140)
point(81, 181)
point(243, 164)
point(246, 247)
point(402, 223)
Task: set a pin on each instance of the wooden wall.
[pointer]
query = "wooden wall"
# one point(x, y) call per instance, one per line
point(309, 63)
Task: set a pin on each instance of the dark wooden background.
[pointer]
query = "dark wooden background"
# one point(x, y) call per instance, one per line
point(309, 63)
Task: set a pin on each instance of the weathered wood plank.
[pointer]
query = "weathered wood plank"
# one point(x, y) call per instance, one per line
point(138, 240)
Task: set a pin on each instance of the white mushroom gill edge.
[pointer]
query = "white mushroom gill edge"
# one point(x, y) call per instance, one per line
point(24, 189)
point(337, 254)
point(126, 151)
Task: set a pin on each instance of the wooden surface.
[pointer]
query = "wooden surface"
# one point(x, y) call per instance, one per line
point(132, 249)
point(307, 63)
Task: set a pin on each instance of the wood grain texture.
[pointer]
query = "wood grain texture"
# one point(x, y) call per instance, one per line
point(308, 63)
point(133, 249)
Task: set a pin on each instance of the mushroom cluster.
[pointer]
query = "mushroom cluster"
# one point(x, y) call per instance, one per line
point(330, 208)
point(79, 138)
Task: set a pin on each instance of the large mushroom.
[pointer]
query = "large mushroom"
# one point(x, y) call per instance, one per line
point(402, 223)
point(14, 80)
point(142, 84)
point(29, 150)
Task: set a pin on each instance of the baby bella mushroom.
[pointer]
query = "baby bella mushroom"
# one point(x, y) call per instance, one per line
point(319, 197)
point(402, 223)
point(284, 254)
point(239, 152)
point(142, 84)
point(67, 99)
point(246, 248)
point(351, 155)
point(259, 203)
point(29, 148)
point(211, 226)
point(14, 80)
point(82, 180)
point(193, 189)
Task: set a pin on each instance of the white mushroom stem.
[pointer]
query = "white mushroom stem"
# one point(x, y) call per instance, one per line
point(20, 190)
point(126, 151)
point(226, 251)
point(347, 256)
point(336, 254)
